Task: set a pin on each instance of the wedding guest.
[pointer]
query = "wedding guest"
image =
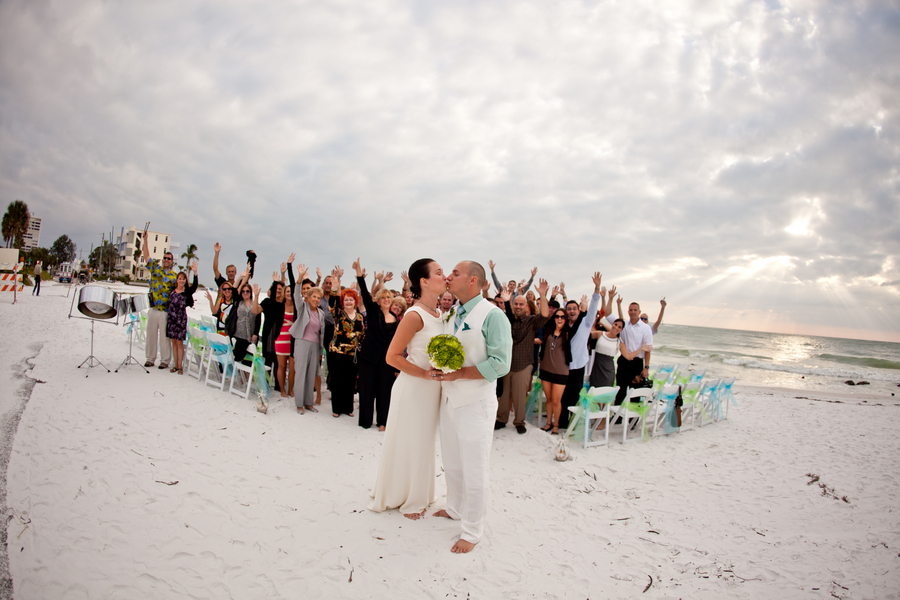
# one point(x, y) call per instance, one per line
point(399, 307)
point(517, 382)
point(655, 327)
point(376, 377)
point(274, 309)
point(222, 305)
point(230, 270)
point(445, 303)
point(603, 372)
point(511, 286)
point(308, 332)
point(349, 332)
point(556, 354)
point(180, 298)
point(162, 280)
point(635, 346)
point(242, 323)
point(580, 327)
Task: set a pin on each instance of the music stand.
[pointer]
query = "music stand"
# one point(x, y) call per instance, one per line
point(130, 359)
point(96, 309)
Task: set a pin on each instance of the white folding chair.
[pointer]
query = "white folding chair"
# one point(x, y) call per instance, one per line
point(706, 401)
point(220, 365)
point(691, 404)
point(245, 374)
point(540, 401)
point(196, 351)
point(639, 400)
point(593, 405)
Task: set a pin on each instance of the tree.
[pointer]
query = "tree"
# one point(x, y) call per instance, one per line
point(103, 258)
point(15, 224)
point(63, 249)
point(190, 255)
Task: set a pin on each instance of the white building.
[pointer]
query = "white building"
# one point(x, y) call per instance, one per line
point(130, 243)
point(32, 237)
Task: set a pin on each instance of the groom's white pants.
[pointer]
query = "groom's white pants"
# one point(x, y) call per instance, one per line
point(466, 436)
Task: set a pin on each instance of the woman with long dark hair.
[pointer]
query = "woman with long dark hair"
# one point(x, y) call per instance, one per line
point(406, 470)
point(603, 373)
point(376, 377)
point(556, 354)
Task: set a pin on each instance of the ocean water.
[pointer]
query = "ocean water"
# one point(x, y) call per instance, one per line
point(794, 361)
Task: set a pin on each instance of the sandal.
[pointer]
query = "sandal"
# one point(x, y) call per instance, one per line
point(172, 370)
point(555, 431)
point(180, 371)
point(335, 415)
point(547, 428)
point(300, 409)
point(312, 409)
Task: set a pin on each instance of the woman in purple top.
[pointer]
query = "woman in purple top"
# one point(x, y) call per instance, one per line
point(308, 332)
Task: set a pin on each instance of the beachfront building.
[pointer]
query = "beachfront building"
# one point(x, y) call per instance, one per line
point(32, 237)
point(131, 260)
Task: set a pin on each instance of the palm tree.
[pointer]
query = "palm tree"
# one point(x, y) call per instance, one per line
point(190, 255)
point(15, 224)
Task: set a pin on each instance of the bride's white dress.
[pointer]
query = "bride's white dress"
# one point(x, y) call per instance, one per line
point(406, 471)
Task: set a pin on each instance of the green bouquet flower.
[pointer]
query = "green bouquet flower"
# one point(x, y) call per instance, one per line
point(445, 352)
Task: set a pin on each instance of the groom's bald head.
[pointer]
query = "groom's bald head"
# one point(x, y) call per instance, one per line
point(473, 269)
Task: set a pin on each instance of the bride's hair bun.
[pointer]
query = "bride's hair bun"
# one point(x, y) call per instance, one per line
point(417, 271)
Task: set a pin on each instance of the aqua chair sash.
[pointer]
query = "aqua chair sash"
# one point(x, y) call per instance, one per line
point(224, 356)
point(262, 382)
point(715, 402)
point(725, 390)
point(670, 417)
point(536, 388)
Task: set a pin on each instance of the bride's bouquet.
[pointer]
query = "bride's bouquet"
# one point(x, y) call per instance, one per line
point(445, 352)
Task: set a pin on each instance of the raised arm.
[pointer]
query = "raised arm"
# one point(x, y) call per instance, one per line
point(494, 277)
point(145, 248)
point(255, 307)
point(193, 287)
point(542, 288)
point(363, 289)
point(290, 271)
point(662, 309)
point(218, 249)
point(507, 305)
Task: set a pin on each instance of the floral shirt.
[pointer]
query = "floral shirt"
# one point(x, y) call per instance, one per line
point(348, 335)
point(162, 283)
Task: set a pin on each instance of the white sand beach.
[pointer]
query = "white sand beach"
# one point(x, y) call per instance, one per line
point(131, 486)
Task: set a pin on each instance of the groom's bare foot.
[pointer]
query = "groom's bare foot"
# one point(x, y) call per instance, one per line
point(415, 516)
point(443, 513)
point(462, 547)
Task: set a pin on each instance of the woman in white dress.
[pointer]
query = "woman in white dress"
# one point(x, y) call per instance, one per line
point(406, 470)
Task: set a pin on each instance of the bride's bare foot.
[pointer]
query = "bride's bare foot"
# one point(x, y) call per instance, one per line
point(415, 516)
point(462, 547)
point(443, 513)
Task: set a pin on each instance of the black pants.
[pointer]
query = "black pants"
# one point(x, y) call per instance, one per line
point(343, 382)
point(37, 285)
point(626, 371)
point(240, 350)
point(375, 383)
point(570, 394)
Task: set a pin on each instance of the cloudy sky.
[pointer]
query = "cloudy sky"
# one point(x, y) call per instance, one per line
point(739, 158)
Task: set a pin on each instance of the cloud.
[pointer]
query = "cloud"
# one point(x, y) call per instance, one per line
point(740, 153)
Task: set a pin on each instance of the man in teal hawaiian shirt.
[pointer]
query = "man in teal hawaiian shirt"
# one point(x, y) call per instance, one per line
point(162, 281)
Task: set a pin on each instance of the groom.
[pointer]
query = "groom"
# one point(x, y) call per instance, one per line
point(469, 402)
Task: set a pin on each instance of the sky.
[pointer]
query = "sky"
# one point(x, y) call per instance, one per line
point(738, 158)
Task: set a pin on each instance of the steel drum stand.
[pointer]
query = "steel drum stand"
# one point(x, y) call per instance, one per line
point(92, 360)
point(130, 359)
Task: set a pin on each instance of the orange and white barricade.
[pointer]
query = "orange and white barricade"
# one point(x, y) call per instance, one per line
point(11, 278)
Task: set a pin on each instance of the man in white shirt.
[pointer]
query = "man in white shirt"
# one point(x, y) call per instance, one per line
point(638, 340)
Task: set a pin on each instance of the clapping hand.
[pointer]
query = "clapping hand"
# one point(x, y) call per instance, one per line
point(256, 289)
point(555, 291)
point(275, 276)
point(542, 287)
point(301, 271)
point(506, 295)
point(389, 276)
point(562, 288)
point(597, 278)
point(405, 277)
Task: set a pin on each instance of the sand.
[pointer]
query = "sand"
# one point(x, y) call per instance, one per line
point(133, 485)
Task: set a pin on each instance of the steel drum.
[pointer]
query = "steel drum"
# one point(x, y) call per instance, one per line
point(97, 302)
point(124, 304)
point(140, 302)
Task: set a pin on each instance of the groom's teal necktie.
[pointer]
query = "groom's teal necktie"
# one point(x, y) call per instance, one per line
point(459, 316)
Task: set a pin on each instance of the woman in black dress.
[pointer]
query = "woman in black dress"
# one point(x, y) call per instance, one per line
point(176, 319)
point(376, 377)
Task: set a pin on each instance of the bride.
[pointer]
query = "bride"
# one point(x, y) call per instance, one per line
point(406, 470)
